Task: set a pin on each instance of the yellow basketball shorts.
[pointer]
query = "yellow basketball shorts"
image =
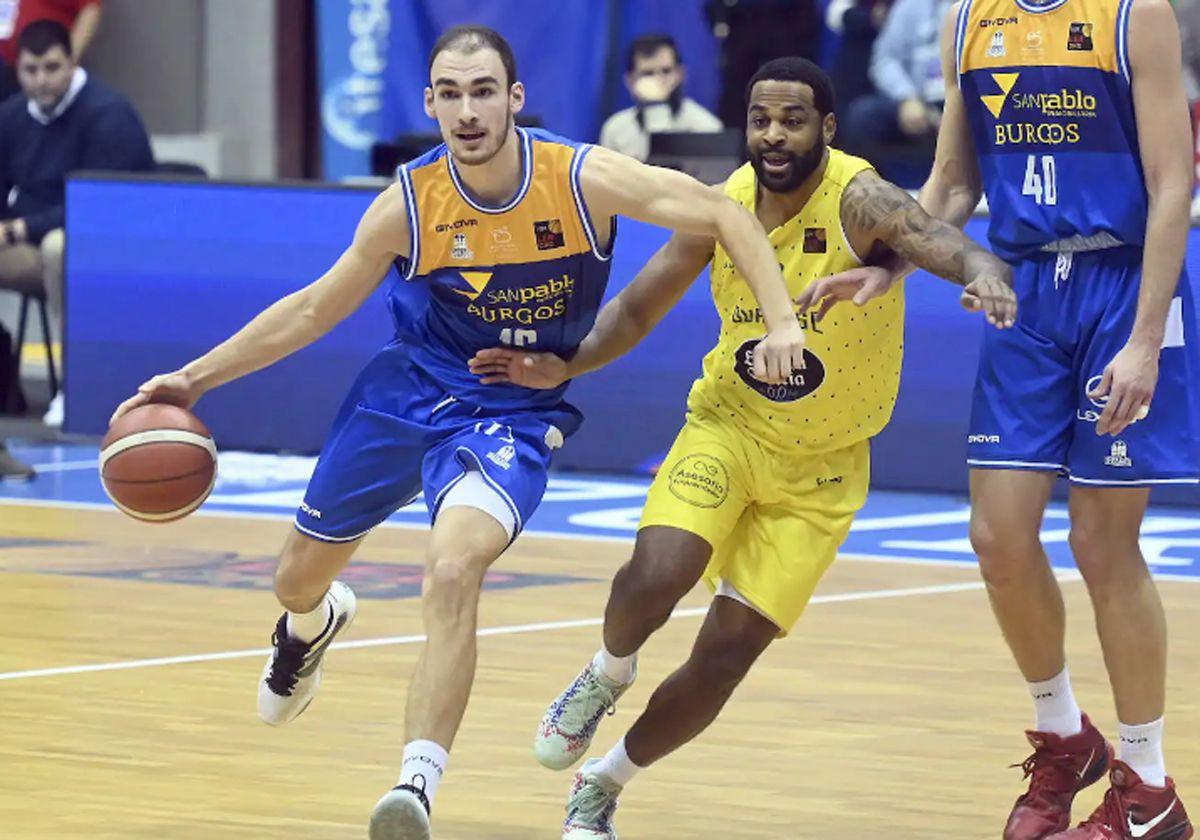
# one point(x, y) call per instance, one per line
point(775, 521)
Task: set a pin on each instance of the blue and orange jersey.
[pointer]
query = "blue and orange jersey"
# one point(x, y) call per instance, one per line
point(529, 274)
point(1048, 97)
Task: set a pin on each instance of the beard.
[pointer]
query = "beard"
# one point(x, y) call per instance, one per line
point(797, 172)
point(478, 157)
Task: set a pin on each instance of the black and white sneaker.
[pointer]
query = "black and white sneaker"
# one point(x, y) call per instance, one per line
point(401, 814)
point(292, 675)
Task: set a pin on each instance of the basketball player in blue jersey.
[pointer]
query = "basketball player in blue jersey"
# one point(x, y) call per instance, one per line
point(501, 235)
point(1071, 116)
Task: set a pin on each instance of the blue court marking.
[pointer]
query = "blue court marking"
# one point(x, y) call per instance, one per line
point(893, 527)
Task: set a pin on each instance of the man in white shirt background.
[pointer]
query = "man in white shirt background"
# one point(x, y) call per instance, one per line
point(654, 75)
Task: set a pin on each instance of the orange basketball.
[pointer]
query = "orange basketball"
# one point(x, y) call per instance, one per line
point(158, 463)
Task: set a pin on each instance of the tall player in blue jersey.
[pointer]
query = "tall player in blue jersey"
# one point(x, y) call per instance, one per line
point(1071, 116)
point(501, 235)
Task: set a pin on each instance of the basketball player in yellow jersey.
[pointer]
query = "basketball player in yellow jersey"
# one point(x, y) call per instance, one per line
point(763, 481)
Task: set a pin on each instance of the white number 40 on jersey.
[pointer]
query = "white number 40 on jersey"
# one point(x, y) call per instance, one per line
point(1042, 186)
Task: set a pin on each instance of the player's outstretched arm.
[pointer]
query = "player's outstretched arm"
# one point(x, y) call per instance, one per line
point(297, 320)
point(1165, 139)
point(614, 184)
point(621, 325)
point(876, 211)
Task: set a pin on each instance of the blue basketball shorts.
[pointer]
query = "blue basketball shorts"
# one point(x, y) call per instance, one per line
point(398, 434)
point(1031, 408)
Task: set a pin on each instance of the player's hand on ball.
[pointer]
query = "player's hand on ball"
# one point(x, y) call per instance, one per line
point(176, 388)
point(529, 370)
point(780, 353)
point(994, 297)
point(860, 285)
point(1128, 384)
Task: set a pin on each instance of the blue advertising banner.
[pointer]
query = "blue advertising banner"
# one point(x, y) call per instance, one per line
point(352, 68)
point(159, 272)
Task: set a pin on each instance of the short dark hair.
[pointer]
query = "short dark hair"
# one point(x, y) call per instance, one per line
point(41, 36)
point(472, 38)
point(793, 68)
point(644, 46)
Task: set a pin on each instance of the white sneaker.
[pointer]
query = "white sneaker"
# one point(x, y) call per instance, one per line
point(402, 814)
point(292, 674)
point(571, 722)
point(54, 412)
point(591, 805)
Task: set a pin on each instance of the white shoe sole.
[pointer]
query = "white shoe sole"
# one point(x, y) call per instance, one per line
point(399, 816)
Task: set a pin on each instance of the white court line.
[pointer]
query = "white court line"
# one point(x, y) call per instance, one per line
point(67, 466)
point(509, 630)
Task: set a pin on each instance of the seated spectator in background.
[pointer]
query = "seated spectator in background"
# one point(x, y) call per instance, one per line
point(82, 17)
point(906, 69)
point(858, 22)
point(63, 122)
point(654, 74)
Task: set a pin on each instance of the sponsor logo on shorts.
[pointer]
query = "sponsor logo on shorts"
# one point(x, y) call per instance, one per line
point(313, 512)
point(700, 480)
point(1118, 456)
point(836, 479)
point(800, 384)
point(1092, 415)
point(983, 438)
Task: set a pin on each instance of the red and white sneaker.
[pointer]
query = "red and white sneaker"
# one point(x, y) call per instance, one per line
point(1132, 810)
point(1059, 768)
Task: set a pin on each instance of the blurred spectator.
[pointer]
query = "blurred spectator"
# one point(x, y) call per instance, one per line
point(752, 32)
point(64, 121)
point(906, 69)
point(858, 22)
point(654, 74)
point(1188, 12)
point(13, 470)
point(82, 17)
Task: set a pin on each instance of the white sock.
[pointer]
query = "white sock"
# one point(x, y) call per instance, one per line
point(310, 626)
point(617, 668)
point(617, 765)
point(1141, 749)
point(1055, 706)
point(423, 765)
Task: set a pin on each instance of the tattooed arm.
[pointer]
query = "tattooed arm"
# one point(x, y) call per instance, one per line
point(878, 215)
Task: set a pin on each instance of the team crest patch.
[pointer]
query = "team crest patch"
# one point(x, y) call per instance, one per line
point(549, 234)
point(814, 241)
point(1118, 456)
point(1080, 37)
point(461, 250)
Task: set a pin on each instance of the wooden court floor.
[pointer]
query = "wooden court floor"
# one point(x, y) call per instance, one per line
point(893, 711)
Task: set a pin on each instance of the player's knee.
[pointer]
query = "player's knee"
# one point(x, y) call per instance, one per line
point(723, 667)
point(452, 581)
point(655, 586)
point(1105, 557)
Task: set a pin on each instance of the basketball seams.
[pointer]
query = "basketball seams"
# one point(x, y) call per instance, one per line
point(167, 516)
point(157, 436)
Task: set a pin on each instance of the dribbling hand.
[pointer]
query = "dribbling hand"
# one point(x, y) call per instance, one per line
point(176, 388)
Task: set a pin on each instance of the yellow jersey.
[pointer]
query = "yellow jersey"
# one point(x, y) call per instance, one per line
point(847, 390)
